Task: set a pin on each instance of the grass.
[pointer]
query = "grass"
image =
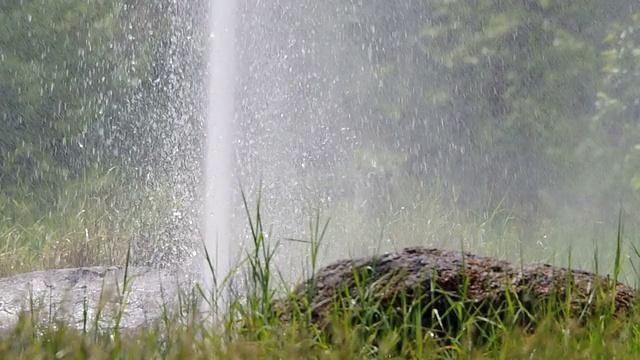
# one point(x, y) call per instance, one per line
point(251, 327)
point(87, 222)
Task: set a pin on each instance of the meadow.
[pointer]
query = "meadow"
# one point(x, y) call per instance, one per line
point(249, 326)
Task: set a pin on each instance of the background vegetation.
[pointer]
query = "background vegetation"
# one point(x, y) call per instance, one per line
point(481, 119)
point(89, 133)
point(496, 117)
point(510, 127)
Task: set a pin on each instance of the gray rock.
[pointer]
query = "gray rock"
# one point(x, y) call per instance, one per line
point(78, 296)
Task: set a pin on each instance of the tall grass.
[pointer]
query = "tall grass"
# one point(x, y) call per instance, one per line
point(252, 324)
point(92, 220)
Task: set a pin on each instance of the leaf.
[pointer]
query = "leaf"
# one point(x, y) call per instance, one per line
point(544, 4)
point(635, 181)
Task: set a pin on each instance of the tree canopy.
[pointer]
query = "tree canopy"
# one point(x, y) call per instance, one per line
point(516, 98)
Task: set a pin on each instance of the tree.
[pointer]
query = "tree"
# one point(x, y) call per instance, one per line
point(617, 119)
point(493, 96)
point(55, 84)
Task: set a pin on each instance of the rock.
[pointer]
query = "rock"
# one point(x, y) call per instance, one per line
point(77, 295)
point(433, 278)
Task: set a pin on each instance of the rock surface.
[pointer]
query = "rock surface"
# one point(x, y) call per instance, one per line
point(421, 275)
point(68, 293)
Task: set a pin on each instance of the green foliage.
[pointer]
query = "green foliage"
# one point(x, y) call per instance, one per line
point(55, 81)
point(618, 115)
point(496, 97)
point(75, 139)
point(521, 78)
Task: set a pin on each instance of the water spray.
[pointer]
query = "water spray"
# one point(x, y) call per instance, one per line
point(218, 161)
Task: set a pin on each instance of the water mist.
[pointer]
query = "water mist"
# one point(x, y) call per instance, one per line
point(218, 161)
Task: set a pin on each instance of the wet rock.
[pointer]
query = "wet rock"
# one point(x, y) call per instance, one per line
point(431, 280)
point(78, 296)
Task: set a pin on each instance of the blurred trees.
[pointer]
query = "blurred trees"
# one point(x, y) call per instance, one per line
point(100, 127)
point(502, 97)
point(507, 97)
point(85, 83)
point(617, 116)
point(56, 63)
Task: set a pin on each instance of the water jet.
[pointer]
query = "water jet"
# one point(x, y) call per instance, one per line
point(218, 161)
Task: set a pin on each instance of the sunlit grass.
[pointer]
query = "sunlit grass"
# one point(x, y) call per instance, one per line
point(250, 326)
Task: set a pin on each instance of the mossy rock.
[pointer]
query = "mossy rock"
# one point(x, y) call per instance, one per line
point(442, 289)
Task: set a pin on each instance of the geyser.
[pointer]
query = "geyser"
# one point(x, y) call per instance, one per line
point(218, 163)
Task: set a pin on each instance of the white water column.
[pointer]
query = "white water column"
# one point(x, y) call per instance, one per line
point(219, 154)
